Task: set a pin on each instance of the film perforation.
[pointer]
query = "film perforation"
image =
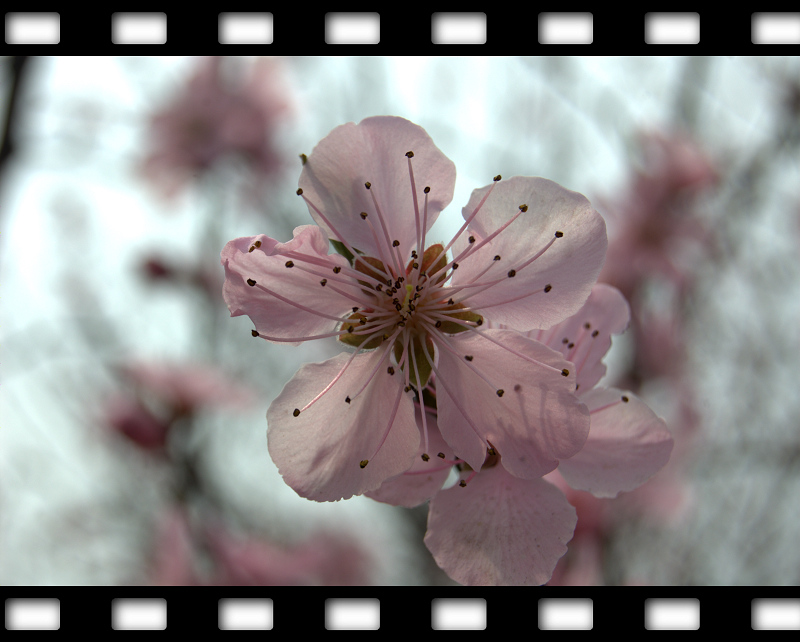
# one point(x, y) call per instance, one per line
point(465, 32)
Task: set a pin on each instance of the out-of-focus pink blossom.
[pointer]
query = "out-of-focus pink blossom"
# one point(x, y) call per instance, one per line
point(324, 560)
point(187, 386)
point(211, 555)
point(173, 552)
point(131, 418)
point(158, 394)
point(216, 115)
point(527, 255)
point(651, 222)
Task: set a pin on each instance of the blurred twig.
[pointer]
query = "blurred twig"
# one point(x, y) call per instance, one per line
point(19, 66)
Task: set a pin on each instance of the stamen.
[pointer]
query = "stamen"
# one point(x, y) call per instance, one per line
point(328, 387)
point(280, 297)
point(398, 263)
point(391, 423)
point(410, 155)
point(339, 237)
point(440, 382)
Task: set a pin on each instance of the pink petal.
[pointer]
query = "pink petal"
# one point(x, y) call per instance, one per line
point(500, 530)
point(627, 445)
point(606, 312)
point(537, 421)
point(319, 451)
point(266, 265)
point(425, 478)
point(374, 151)
point(570, 265)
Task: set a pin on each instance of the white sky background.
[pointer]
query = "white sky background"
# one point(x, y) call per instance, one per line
point(76, 220)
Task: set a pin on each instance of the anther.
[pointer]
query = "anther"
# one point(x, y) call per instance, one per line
point(587, 325)
point(455, 266)
point(289, 264)
point(410, 154)
point(347, 400)
point(427, 190)
point(462, 483)
point(512, 273)
point(337, 269)
point(624, 398)
point(570, 346)
point(471, 240)
point(496, 257)
point(363, 463)
point(303, 159)
point(500, 392)
point(479, 321)
point(367, 185)
point(425, 457)
point(450, 302)
point(390, 370)
point(395, 243)
point(323, 282)
point(565, 372)
point(491, 451)
point(595, 333)
point(468, 357)
point(299, 191)
point(497, 178)
point(523, 208)
point(296, 412)
point(257, 243)
point(254, 333)
point(548, 287)
point(559, 234)
point(440, 455)
point(251, 282)
point(438, 324)
point(565, 340)
point(364, 215)
point(350, 329)
point(252, 247)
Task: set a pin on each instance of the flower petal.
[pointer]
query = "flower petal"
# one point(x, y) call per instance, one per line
point(537, 420)
point(627, 445)
point(606, 312)
point(425, 478)
point(570, 265)
point(319, 450)
point(312, 305)
point(374, 151)
point(500, 530)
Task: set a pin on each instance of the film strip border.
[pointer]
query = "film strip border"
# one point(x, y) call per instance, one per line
point(299, 29)
point(314, 610)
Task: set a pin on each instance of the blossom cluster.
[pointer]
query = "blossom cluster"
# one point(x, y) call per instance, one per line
point(478, 357)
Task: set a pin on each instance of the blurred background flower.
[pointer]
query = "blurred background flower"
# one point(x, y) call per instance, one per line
point(133, 408)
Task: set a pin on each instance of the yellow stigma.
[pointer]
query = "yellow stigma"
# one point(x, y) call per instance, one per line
point(409, 290)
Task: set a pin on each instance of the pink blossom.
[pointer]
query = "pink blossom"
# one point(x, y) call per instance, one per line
point(527, 255)
point(627, 442)
point(482, 531)
point(214, 116)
